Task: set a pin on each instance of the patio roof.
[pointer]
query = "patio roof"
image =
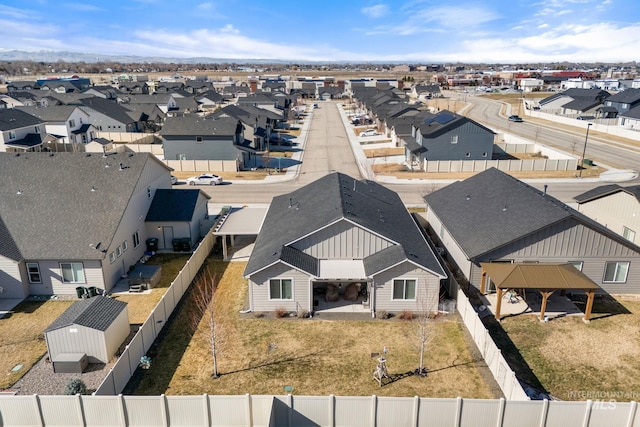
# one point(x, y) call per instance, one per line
point(540, 276)
point(545, 277)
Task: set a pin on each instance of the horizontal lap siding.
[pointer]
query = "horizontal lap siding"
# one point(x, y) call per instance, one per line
point(428, 289)
point(615, 212)
point(52, 278)
point(342, 240)
point(10, 279)
point(454, 251)
point(573, 241)
point(259, 283)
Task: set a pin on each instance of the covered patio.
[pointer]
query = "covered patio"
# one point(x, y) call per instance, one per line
point(238, 227)
point(514, 279)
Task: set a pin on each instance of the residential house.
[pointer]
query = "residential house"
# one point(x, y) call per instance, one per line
point(425, 92)
point(614, 206)
point(450, 136)
point(195, 87)
point(68, 122)
point(630, 119)
point(99, 145)
point(210, 100)
point(192, 137)
point(109, 116)
point(20, 86)
point(345, 242)
point(134, 88)
point(493, 217)
point(21, 131)
point(574, 102)
point(59, 86)
point(620, 103)
point(107, 92)
point(76, 219)
point(257, 122)
point(167, 87)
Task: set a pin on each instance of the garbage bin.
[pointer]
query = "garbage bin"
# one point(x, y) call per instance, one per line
point(587, 162)
point(152, 244)
point(93, 291)
point(81, 291)
point(177, 245)
point(185, 244)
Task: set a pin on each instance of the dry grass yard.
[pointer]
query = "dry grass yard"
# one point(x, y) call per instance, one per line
point(570, 357)
point(22, 337)
point(384, 152)
point(262, 355)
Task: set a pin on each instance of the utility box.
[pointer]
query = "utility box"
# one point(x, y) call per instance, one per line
point(70, 363)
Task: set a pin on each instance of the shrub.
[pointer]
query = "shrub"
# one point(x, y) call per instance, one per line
point(406, 315)
point(302, 313)
point(382, 314)
point(75, 386)
point(281, 312)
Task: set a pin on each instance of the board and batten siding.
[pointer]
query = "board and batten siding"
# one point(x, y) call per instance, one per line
point(116, 333)
point(78, 339)
point(567, 241)
point(615, 212)
point(259, 284)
point(342, 240)
point(52, 283)
point(11, 273)
point(427, 289)
point(454, 251)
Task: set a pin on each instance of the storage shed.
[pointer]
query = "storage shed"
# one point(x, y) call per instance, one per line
point(95, 327)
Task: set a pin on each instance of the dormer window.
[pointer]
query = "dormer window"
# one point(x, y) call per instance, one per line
point(12, 135)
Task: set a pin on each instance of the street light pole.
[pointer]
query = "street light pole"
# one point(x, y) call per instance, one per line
point(584, 150)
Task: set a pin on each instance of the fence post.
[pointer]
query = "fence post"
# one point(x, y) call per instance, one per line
point(80, 409)
point(416, 411)
point(248, 410)
point(332, 410)
point(163, 410)
point(545, 411)
point(500, 419)
point(632, 413)
point(207, 412)
point(38, 409)
point(458, 418)
point(123, 414)
point(374, 409)
point(587, 413)
point(289, 410)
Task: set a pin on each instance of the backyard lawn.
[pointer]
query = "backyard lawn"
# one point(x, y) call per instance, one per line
point(22, 337)
point(262, 355)
point(571, 358)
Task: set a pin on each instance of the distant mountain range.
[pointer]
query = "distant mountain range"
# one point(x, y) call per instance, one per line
point(66, 56)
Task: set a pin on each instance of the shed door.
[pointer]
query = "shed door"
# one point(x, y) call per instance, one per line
point(167, 236)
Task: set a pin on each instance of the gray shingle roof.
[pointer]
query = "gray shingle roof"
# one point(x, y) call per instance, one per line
point(173, 205)
point(57, 215)
point(195, 125)
point(339, 197)
point(627, 96)
point(96, 313)
point(108, 108)
point(55, 113)
point(605, 190)
point(12, 118)
point(492, 209)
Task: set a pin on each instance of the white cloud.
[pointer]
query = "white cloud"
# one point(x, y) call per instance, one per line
point(205, 6)
point(376, 11)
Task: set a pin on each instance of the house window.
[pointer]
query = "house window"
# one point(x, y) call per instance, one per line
point(12, 135)
point(37, 129)
point(577, 264)
point(112, 257)
point(199, 139)
point(136, 239)
point(628, 234)
point(34, 272)
point(125, 246)
point(454, 139)
point(72, 272)
point(72, 123)
point(118, 251)
point(280, 289)
point(616, 272)
point(404, 289)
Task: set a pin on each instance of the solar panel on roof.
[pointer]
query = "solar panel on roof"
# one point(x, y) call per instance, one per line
point(444, 118)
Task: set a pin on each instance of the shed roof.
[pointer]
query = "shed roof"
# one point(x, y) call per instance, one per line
point(96, 313)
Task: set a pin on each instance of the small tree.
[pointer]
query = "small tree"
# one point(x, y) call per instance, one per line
point(422, 329)
point(203, 319)
point(75, 386)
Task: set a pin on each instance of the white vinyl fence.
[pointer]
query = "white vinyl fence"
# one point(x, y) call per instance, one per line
point(301, 411)
point(123, 370)
point(504, 376)
point(527, 165)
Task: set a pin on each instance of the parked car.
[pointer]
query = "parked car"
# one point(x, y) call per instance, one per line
point(585, 118)
point(515, 119)
point(369, 132)
point(174, 180)
point(205, 179)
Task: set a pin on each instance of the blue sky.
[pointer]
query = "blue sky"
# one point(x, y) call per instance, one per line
point(327, 30)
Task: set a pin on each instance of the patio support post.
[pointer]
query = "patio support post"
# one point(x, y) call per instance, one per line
point(483, 281)
point(545, 296)
point(224, 247)
point(498, 302)
point(587, 311)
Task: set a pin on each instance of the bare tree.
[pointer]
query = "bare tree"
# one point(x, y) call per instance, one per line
point(422, 329)
point(203, 319)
